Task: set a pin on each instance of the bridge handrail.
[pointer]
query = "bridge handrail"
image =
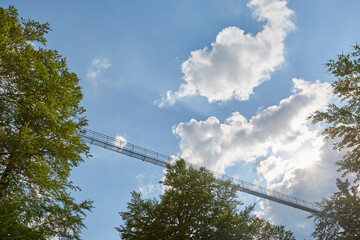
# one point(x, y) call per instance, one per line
point(130, 149)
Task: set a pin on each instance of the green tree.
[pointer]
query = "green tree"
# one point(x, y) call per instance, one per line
point(40, 118)
point(194, 206)
point(344, 119)
point(339, 216)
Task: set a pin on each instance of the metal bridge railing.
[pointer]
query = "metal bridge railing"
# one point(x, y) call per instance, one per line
point(159, 159)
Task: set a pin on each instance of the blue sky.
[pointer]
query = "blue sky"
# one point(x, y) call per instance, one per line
point(224, 83)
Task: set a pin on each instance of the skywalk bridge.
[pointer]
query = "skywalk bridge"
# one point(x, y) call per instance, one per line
point(161, 160)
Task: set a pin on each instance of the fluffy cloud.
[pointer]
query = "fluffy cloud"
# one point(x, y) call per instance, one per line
point(312, 182)
point(278, 128)
point(97, 66)
point(238, 61)
point(291, 155)
point(120, 141)
point(120, 138)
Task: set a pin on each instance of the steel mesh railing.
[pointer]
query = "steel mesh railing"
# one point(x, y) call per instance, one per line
point(159, 159)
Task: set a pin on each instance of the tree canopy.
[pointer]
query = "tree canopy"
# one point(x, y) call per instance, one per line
point(339, 217)
point(40, 118)
point(344, 119)
point(194, 206)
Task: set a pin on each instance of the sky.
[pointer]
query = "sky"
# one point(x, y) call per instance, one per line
point(226, 84)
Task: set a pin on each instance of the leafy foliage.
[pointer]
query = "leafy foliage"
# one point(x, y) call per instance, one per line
point(40, 118)
point(344, 120)
point(194, 206)
point(340, 215)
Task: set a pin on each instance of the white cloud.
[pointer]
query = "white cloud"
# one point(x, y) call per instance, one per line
point(237, 61)
point(96, 68)
point(119, 139)
point(312, 182)
point(278, 128)
point(120, 142)
point(297, 160)
point(272, 168)
point(148, 185)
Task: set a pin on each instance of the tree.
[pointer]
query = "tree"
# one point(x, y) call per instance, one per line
point(340, 215)
point(194, 206)
point(344, 119)
point(40, 121)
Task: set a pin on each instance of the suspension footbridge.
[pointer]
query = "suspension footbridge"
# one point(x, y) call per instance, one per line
point(161, 160)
